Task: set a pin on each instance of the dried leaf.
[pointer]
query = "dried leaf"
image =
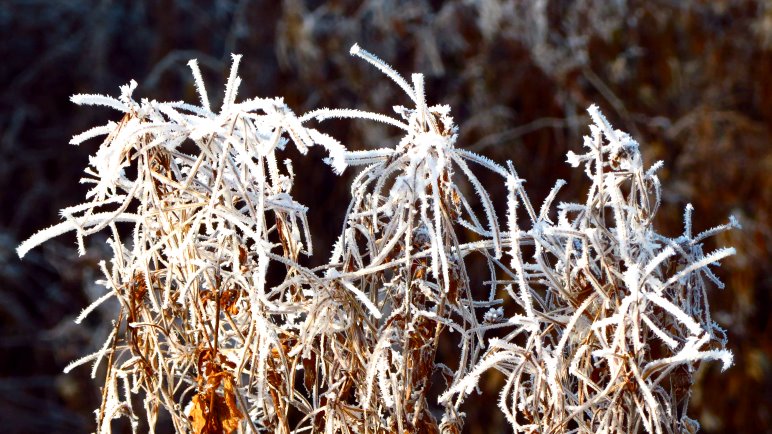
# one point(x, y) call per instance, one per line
point(215, 414)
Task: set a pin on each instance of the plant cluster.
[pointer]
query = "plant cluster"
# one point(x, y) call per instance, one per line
point(599, 320)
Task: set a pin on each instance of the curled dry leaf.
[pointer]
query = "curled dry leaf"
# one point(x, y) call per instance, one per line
point(215, 413)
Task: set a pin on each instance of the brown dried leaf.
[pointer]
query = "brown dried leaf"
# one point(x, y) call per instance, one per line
point(215, 414)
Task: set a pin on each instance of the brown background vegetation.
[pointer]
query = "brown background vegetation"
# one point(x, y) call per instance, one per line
point(691, 80)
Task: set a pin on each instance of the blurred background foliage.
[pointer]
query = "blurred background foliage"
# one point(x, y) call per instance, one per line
point(691, 80)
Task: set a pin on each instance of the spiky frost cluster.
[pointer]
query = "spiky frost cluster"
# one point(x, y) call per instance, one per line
point(605, 319)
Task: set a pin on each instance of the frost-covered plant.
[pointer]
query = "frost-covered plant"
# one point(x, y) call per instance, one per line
point(603, 318)
point(616, 316)
point(191, 281)
point(400, 255)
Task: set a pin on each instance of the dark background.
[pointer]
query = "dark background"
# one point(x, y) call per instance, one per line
point(691, 80)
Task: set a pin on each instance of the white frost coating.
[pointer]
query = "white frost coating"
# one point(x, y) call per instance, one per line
point(94, 99)
point(91, 133)
point(675, 311)
point(231, 88)
point(690, 354)
point(323, 114)
point(361, 296)
point(337, 151)
point(85, 312)
point(66, 226)
point(356, 50)
point(703, 262)
point(200, 87)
